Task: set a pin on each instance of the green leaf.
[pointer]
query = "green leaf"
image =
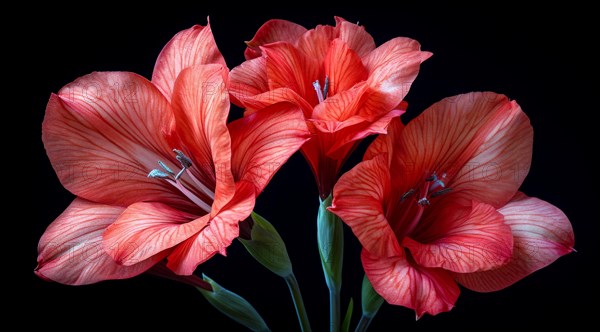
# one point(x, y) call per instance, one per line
point(267, 247)
point(371, 301)
point(330, 238)
point(348, 317)
point(233, 306)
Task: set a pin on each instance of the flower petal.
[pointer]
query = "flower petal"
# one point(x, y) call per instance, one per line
point(358, 198)
point(393, 67)
point(289, 68)
point(482, 141)
point(217, 235)
point(190, 47)
point(104, 132)
point(270, 32)
point(357, 38)
point(542, 233)
point(201, 105)
point(386, 144)
point(401, 282)
point(315, 43)
point(248, 79)
point(461, 238)
point(343, 67)
point(145, 229)
point(263, 141)
point(71, 251)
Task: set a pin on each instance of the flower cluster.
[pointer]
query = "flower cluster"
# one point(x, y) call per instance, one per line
point(163, 182)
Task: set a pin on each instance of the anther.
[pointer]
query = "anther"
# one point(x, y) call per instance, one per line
point(157, 174)
point(407, 194)
point(326, 87)
point(440, 192)
point(423, 201)
point(318, 90)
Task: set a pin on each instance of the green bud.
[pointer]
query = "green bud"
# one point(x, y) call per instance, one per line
point(371, 301)
point(267, 247)
point(330, 238)
point(233, 306)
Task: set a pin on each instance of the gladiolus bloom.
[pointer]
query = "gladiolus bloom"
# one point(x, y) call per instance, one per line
point(346, 87)
point(436, 204)
point(157, 172)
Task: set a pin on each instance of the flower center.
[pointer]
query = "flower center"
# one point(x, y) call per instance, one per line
point(190, 186)
point(321, 94)
point(433, 186)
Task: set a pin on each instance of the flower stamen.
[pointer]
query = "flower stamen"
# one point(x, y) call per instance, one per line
point(321, 94)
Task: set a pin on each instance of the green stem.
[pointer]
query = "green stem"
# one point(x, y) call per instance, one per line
point(330, 238)
point(363, 324)
point(334, 309)
point(298, 302)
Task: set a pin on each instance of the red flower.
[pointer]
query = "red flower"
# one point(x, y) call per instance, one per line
point(436, 203)
point(347, 88)
point(157, 171)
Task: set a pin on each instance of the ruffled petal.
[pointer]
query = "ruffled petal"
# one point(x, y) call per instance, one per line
point(542, 233)
point(71, 250)
point(315, 43)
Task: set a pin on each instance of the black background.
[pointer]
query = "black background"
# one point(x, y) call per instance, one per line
point(536, 57)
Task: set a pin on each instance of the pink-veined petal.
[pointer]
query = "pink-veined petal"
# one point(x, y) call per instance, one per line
point(480, 140)
point(542, 233)
point(386, 144)
point(248, 79)
point(71, 250)
point(217, 235)
point(393, 67)
point(104, 132)
point(289, 68)
point(461, 238)
point(201, 105)
point(358, 198)
point(343, 67)
point(401, 282)
point(263, 141)
point(145, 229)
point(190, 47)
point(315, 43)
point(273, 31)
point(357, 38)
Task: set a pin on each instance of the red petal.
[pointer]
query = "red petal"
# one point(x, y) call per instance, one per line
point(248, 79)
point(386, 144)
point(263, 141)
point(194, 46)
point(344, 68)
point(461, 238)
point(481, 140)
point(201, 105)
point(358, 198)
point(104, 132)
point(401, 282)
point(393, 67)
point(315, 43)
point(542, 233)
point(71, 251)
point(270, 32)
point(359, 40)
point(145, 229)
point(289, 68)
point(217, 236)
